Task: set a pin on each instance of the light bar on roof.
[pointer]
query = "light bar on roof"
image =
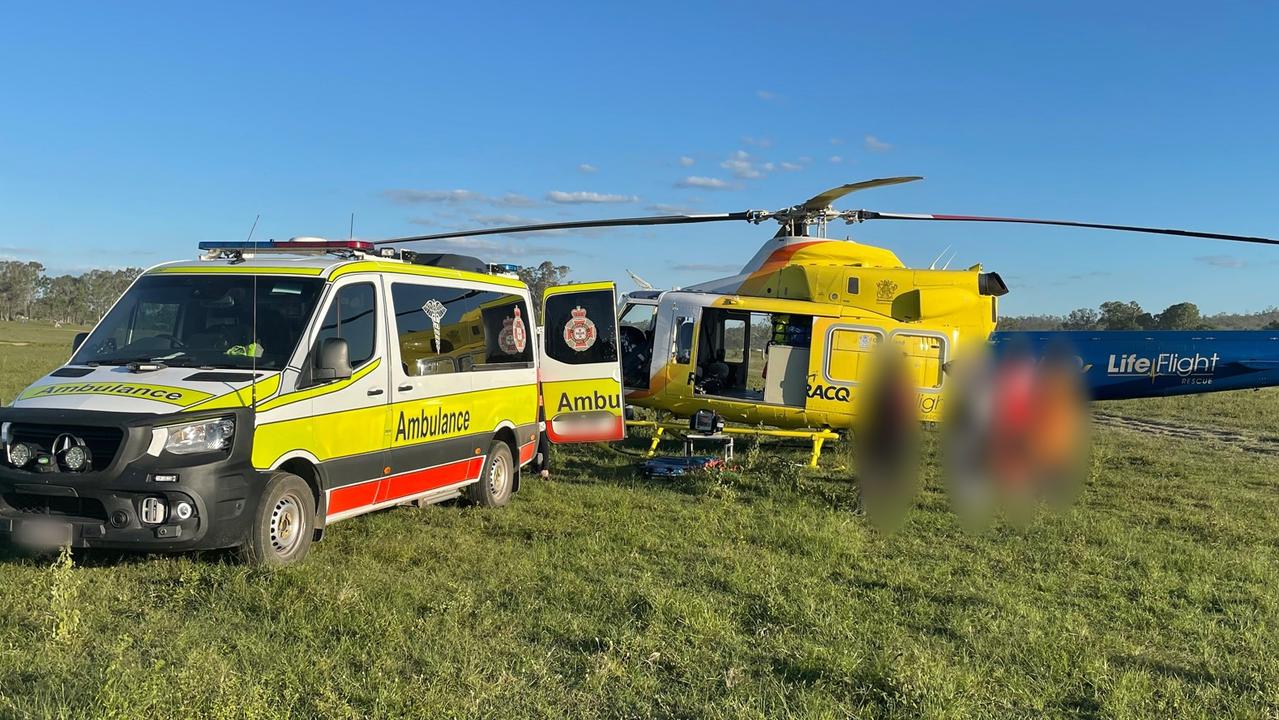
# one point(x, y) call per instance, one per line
point(289, 245)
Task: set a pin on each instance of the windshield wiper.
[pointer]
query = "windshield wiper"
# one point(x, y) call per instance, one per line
point(145, 360)
point(230, 366)
point(149, 362)
point(120, 361)
point(192, 362)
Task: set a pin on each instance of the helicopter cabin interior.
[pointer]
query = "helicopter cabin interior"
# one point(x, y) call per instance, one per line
point(742, 355)
point(757, 357)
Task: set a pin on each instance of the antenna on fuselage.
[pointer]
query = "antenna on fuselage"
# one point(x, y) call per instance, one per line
point(950, 260)
point(933, 264)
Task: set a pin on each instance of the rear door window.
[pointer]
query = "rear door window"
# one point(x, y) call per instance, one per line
point(581, 327)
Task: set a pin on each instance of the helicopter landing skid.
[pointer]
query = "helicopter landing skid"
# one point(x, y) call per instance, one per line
point(816, 437)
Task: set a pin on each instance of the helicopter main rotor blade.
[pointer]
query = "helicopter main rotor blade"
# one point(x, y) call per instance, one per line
point(824, 200)
point(872, 215)
point(578, 224)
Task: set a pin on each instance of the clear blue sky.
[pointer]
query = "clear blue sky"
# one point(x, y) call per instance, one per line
point(130, 132)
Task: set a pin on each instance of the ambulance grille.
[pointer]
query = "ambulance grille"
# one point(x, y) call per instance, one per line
point(56, 506)
point(103, 442)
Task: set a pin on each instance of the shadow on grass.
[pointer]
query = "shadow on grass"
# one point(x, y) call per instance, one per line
point(11, 555)
point(103, 558)
point(908, 594)
point(111, 558)
point(1235, 684)
point(775, 470)
point(875, 685)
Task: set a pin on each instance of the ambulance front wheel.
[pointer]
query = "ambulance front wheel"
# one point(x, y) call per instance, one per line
point(497, 481)
point(283, 526)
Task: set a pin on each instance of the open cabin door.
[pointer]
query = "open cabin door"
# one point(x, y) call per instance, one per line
point(581, 369)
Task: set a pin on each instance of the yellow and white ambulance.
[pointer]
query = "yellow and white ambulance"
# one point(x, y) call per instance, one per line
point(251, 397)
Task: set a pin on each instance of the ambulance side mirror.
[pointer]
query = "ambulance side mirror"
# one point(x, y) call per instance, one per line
point(333, 362)
point(78, 340)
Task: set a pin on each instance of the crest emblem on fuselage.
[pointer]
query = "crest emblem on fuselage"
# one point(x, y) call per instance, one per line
point(885, 290)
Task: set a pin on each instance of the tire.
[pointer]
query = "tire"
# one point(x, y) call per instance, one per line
point(497, 479)
point(284, 524)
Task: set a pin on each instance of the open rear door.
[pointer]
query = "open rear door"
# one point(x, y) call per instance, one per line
point(581, 369)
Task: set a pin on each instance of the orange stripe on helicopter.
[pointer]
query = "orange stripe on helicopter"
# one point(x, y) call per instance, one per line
point(779, 259)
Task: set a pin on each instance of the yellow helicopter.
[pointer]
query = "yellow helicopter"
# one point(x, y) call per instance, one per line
point(788, 341)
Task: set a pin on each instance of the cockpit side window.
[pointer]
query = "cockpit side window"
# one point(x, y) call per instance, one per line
point(636, 333)
point(684, 340)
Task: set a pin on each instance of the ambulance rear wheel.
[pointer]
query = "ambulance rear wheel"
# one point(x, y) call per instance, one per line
point(283, 526)
point(497, 480)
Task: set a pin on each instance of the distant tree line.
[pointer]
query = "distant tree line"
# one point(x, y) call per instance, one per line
point(27, 293)
point(1117, 315)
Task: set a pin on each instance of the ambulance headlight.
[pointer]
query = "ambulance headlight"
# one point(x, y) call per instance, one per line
point(20, 454)
point(203, 436)
point(75, 458)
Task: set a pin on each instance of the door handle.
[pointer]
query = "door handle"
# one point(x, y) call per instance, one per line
point(404, 388)
point(375, 391)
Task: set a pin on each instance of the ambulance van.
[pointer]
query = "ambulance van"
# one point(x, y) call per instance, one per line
point(252, 397)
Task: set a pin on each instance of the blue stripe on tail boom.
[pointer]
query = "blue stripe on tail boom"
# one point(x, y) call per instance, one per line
point(1126, 364)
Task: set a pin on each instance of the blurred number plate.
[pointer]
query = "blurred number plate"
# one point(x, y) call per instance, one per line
point(42, 534)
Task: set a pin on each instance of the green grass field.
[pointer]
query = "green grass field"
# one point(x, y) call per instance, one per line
point(29, 350)
point(759, 593)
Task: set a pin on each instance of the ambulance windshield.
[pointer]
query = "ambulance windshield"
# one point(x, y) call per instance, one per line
point(205, 321)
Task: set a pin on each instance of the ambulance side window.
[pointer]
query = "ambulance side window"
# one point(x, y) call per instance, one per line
point(444, 330)
point(353, 317)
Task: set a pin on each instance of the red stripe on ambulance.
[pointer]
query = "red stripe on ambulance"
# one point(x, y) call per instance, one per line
point(420, 481)
point(406, 484)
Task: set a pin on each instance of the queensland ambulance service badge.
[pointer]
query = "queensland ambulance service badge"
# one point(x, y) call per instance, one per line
point(513, 338)
point(579, 331)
